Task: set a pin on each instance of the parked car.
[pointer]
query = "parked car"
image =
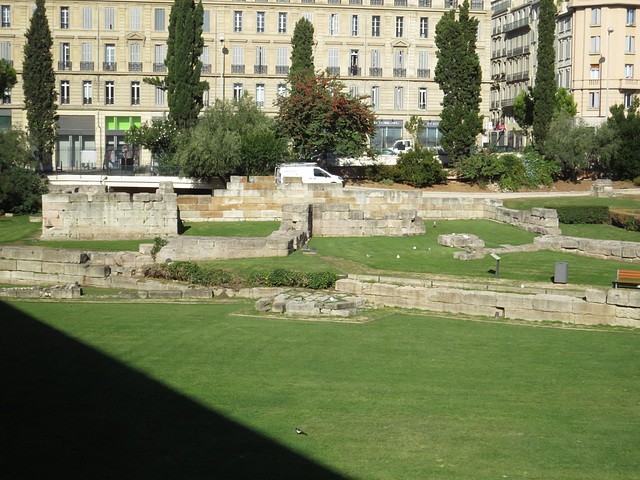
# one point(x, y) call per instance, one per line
point(307, 172)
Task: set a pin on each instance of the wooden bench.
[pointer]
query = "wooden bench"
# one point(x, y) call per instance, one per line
point(627, 277)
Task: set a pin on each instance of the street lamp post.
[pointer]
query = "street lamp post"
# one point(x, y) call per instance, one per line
point(224, 50)
point(609, 32)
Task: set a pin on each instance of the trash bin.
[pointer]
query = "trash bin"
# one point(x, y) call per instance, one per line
point(562, 272)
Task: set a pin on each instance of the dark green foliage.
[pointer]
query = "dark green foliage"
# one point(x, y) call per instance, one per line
point(158, 243)
point(459, 76)
point(302, 49)
point(571, 144)
point(544, 91)
point(20, 187)
point(8, 75)
point(627, 220)
point(624, 160)
point(523, 110)
point(281, 277)
point(39, 85)
point(190, 272)
point(593, 214)
point(184, 47)
point(564, 102)
point(160, 137)
point(420, 168)
point(231, 138)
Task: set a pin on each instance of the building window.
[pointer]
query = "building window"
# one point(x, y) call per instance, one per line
point(424, 27)
point(376, 64)
point(399, 63)
point(375, 97)
point(206, 21)
point(65, 57)
point(423, 65)
point(260, 21)
point(109, 18)
point(205, 59)
point(6, 16)
point(65, 92)
point(422, 98)
point(398, 98)
point(158, 24)
point(135, 57)
point(159, 55)
point(87, 18)
point(595, 16)
point(260, 67)
point(334, 62)
point(333, 24)
point(135, 16)
point(6, 96)
point(282, 90)
point(110, 57)
point(282, 61)
point(628, 100)
point(354, 91)
point(86, 56)
point(260, 95)
point(5, 52)
point(594, 100)
point(135, 93)
point(64, 17)
point(629, 44)
point(628, 70)
point(237, 59)
point(237, 22)
point(595, 44)
point(594, 73)
point(237, 91)
point(109, 92)
point(160, 95)
point(631, 16)
point(354, 63)
point(355, 25)
point(282, 22)
point(399, 27)
point(87, 92)
point(375, 26)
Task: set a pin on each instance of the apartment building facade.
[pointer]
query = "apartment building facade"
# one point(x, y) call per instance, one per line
point(384, 49)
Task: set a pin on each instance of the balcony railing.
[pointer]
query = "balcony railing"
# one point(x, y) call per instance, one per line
point(629, 84)
point(424, 3)
point(260, 69)
point(64, 65)
point(206, 68)
point(424, 73)
point(355, 2)
point(334, 71)
point(87, 101)
point(109, 100)
point(422, 106)
point(64, 100)
point(334, 2)
point(135, 66)
point(282, 70)
point(237, 68)
point(400, 3)
point(159, 67)
point(450, 3)
point(86, 66)
point(523, 22)
point(375, 71)
point(477, 5)
point(501, 7)
point(399, 72)
point(354, 71)
point(508, 102)
point(109, 66)
point(376, 3)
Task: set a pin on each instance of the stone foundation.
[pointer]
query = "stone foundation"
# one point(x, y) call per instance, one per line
point(588, 247)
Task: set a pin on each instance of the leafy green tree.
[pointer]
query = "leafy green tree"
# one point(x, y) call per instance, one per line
point(8, 75)
point(419, 167)
point(523, 110)
point(21, 189)
point(160, 137)
point(625, 162)
point(544, 91)
point(320, 118)
point(570, 144)
point(415, 126)
point(302, 49)
point(459, 76)
point(184, 47)
point(39, 85)
point(607, 143)
point(564, 102)
point(231, 138)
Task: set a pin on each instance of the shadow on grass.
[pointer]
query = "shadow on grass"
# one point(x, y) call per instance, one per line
point(70, 410)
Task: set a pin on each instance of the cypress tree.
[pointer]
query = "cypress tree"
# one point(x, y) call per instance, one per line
point(544, 91)
point(39, 85)
point(459, 76)
point(302, 48)
point(184, 47)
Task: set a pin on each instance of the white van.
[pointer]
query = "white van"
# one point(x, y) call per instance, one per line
point(307, 172)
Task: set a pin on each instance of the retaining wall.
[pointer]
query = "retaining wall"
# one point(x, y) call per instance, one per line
point(598, 307)
point(588, 247)
point(109, 216)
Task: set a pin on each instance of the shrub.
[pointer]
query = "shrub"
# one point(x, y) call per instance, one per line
point(283, 278)
point(321, 280)
point(190, 272)
point(594, 214)
point(420, 168)
point(386, 181)
point(158, 243)
point(627, 220)
point(636, 181)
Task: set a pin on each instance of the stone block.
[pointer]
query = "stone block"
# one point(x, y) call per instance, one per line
point(618, 297)
point(7, 264)
point(164, 294)
point(595, 295)
point(29, 265)
point(478, 298)
point(19, 253)
point(581, 307)
point(197, 293)
point(444, 295)
point(552, 303)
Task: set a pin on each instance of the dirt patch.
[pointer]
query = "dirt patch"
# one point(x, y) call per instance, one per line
point(464, 187)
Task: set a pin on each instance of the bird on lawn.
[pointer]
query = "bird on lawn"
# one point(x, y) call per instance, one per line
point(300, 432)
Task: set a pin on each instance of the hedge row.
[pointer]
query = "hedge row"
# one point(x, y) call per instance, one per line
point(569, 214)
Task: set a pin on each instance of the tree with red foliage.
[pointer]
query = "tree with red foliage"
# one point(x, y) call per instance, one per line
point(320, 118)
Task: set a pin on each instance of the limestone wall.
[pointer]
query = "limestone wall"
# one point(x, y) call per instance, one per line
point(259, 198)
point(598, 307)
point(603, 249)
point(110, 216)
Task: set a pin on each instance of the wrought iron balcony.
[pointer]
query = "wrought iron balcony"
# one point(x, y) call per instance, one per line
point(65, 100)
point(399, 72)
point(424, 3)
point(400, 3)
point(282, 70)
point(376, 3)
point(237, 68)
point(355, 2)
point(109, 66)
point(477, 5)
point(64, 65)
point(450, 3)
point(354, 71)
point(159, 67)
point(87, 101)
point(335, 71)
point(260, 69)
point(86, 66)
point(135, 66)
point(206, 68)
point(375, 71)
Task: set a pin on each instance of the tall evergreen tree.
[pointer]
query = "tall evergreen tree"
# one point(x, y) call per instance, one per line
point(302, 48)
point(184, 47)
point(459, 76)
point(39, 85)
point(544, 91)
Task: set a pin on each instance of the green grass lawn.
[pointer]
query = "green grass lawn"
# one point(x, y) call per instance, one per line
point(231, 229)
point(623, 202)
point(401, 397)
point(14, 229)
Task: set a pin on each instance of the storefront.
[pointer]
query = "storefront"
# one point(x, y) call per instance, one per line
point(76, 144)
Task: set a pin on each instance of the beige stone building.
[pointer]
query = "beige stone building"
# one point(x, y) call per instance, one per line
point(384, 49)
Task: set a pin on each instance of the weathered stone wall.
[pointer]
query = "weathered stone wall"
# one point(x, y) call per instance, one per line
point(110, 216)
point(259, 198)
point(589, 247)
point(338, 220)
point(598, 307)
